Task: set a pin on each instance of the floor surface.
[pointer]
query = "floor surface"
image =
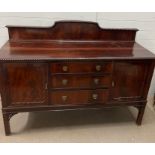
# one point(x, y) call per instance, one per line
point(108, 125)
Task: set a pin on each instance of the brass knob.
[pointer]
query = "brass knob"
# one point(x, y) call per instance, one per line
point(96, 81)
point(64, 81)
point(64, 98)
point(98, 67)
point(113, 84)
point(65, 68)
point(95, 96)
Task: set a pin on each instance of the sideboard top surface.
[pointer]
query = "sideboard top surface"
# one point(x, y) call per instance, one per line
point(72, 40)
point(58, 50)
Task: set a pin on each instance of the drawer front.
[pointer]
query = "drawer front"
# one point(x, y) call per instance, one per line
point(79, 81)
point(79, 97)
point(81, 67)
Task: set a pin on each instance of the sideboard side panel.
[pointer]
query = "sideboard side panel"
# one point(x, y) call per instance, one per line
point(3, 88)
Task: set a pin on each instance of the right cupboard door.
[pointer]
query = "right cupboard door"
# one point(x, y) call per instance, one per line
point(129, 80)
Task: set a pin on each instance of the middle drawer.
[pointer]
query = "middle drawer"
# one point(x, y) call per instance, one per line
point(79, 81)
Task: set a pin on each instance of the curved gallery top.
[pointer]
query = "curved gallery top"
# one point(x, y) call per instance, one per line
point(72, 40)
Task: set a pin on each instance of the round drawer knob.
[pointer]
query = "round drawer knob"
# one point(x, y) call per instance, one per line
point(95, 96)
point(64, 82)
point(98, 67)
point(96, 81)
point(64, 98)
point(65, 68)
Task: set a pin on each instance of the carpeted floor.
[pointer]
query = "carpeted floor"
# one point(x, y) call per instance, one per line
point(108, 125)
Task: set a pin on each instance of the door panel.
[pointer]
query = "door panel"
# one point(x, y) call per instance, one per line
point(26, 83)
point(129, 78)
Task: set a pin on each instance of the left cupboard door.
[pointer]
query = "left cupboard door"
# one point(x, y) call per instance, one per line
point(26, 83)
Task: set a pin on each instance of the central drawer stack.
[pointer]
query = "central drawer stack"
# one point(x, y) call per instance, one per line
point(75, 83)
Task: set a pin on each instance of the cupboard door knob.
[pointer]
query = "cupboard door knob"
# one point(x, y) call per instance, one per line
point(95, 96)
point(98, 67)
point(46, 86)
point(64, 98)
point(96, 81)
point(113, 84)
point(64, 82)
point(65, 68)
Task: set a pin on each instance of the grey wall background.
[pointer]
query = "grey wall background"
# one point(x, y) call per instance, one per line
point(145, 22)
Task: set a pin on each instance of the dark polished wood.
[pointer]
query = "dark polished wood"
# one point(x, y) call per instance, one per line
point(79, 97)
point(133, 74)
point(73, 65)
point(70, 30)
point(42, 50)
point(80, 81)
point(79, 67)
point(23, 86)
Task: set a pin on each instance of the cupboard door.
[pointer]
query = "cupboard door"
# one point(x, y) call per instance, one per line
point(129, 78)
point(26, 83)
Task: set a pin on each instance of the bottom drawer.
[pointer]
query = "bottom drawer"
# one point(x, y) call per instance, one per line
point(79, 97)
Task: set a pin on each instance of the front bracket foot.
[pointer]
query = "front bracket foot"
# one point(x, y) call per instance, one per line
point(6, 119)
point(140, 115)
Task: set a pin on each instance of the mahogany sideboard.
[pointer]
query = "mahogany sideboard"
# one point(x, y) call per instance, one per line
point(73, 65)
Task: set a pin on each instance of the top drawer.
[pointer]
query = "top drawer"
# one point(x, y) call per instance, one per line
point(81, 67)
